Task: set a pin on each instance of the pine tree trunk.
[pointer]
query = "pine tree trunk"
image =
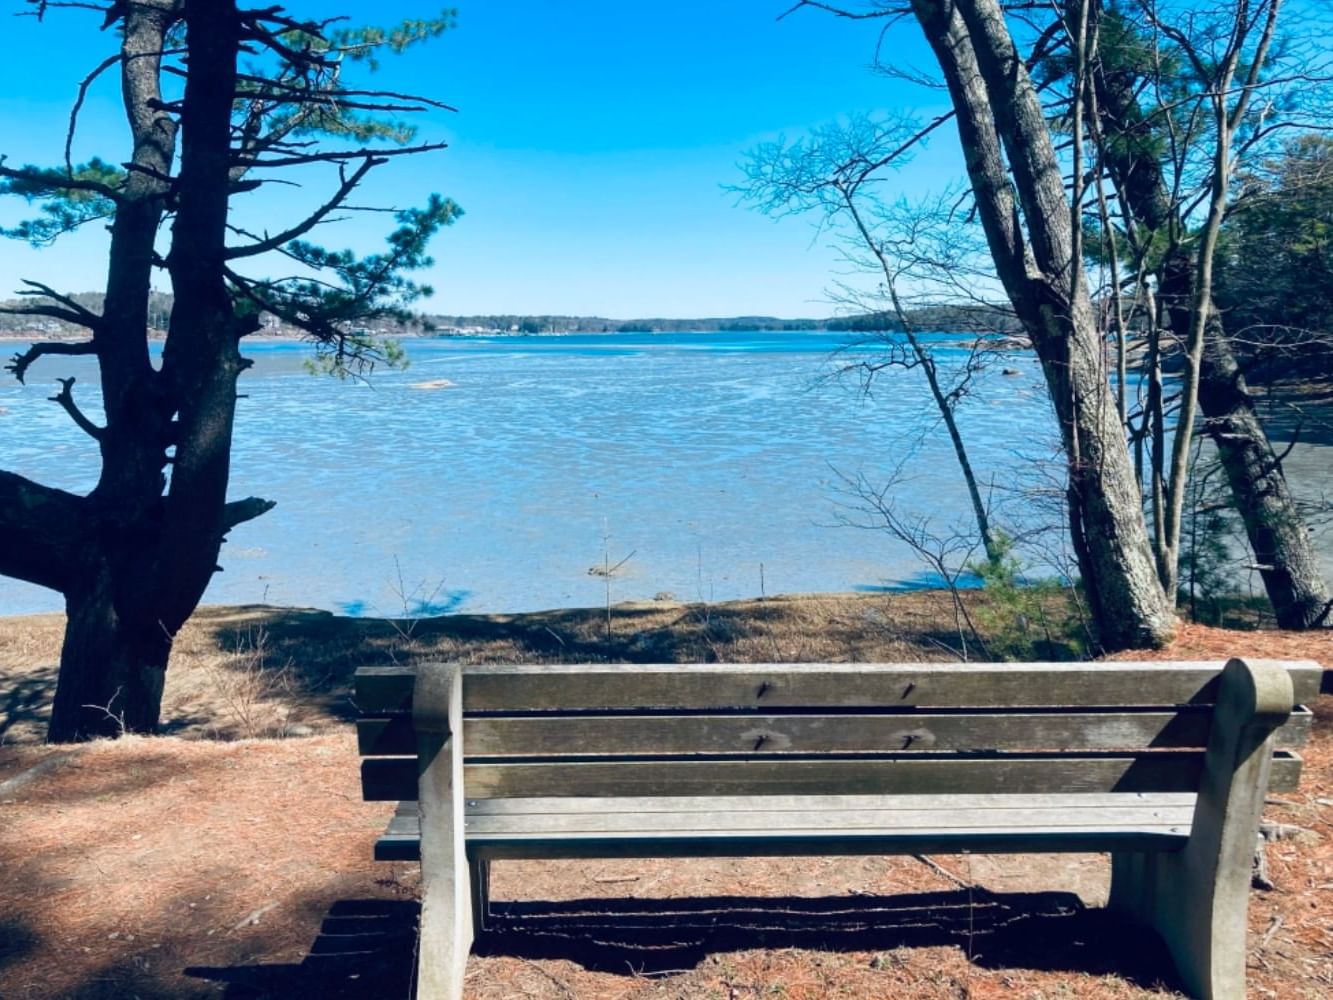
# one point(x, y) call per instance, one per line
point(112, 668)
point(131, 560)
point(1276, 531)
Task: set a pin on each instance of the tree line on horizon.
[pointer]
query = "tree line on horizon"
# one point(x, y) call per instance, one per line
point(962, 317)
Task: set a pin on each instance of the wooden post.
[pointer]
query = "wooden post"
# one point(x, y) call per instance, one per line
point(1196, 898)
point(446, 891)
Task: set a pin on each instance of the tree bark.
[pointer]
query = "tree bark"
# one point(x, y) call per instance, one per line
point(112, 670)
point(1277, 532)
point(116, 645)
point(996, 104)
point(202, 360)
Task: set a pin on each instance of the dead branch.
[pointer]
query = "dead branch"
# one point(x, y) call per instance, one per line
point(42, 529)
point(333, 156)
point(240, 511)
point(65, 397)
point(86, 316)
point(348, 185)
point(87, 82)
point(21, 362)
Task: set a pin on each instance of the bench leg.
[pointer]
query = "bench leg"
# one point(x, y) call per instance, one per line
point(446, 884)
point(480, 871)
point(1197, 898)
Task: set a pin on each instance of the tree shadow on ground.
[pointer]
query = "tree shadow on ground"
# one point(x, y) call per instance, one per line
point(25, 707)
point(17, 940)
point(317, 652)
point(366, 948)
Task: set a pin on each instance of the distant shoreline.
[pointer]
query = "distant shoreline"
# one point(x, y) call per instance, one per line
point(1002, 340)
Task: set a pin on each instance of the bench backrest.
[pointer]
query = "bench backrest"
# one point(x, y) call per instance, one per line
point(801, 729)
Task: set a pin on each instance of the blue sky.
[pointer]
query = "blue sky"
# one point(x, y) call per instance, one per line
point(589, 151)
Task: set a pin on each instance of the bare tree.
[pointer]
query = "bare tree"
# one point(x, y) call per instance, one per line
point(1172, 162)
point(911, 248)
point(948, 554)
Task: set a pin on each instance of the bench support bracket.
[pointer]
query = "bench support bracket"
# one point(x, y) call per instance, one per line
point(1197, 898)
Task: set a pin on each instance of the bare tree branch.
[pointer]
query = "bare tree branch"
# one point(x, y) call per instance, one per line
point(40, 531)
point(21, 362)
point(335, 95)
point(240, 511)
point(87, 82)
point(333, 156)
point(836, 11)
point(65, 397)
point(348, 185)
point(86, 316)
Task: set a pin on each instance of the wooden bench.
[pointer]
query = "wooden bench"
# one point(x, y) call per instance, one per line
point(1163, 765)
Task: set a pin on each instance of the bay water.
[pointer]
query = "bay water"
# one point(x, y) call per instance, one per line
point(512, 473)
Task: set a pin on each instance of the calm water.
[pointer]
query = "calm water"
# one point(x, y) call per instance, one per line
point(494, 473)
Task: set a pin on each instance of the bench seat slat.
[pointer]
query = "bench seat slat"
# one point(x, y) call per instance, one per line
point(390, 778)
point(401, 840)
point(1148, 772)
point(862, 820)
point(684, 804)
point(784, 843)
point(739, 826)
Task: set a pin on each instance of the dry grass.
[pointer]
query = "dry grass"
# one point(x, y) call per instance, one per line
point(262, 671)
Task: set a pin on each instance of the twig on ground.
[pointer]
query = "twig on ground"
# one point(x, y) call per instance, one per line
point(939, 869)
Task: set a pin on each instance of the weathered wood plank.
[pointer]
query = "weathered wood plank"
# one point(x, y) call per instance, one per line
point(383, 689)
point(583, 686)
point(401, 839)
point(666, 734)
point(620, 822)
point(393, 778)
point(781, 844)
point(389, 779)
point(385, 736)
point(1168, 771)
point(741, 846)
point(565, 734)
point(851, 685)
point(954, 803)
point(915, 731)
point(1158, 822)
